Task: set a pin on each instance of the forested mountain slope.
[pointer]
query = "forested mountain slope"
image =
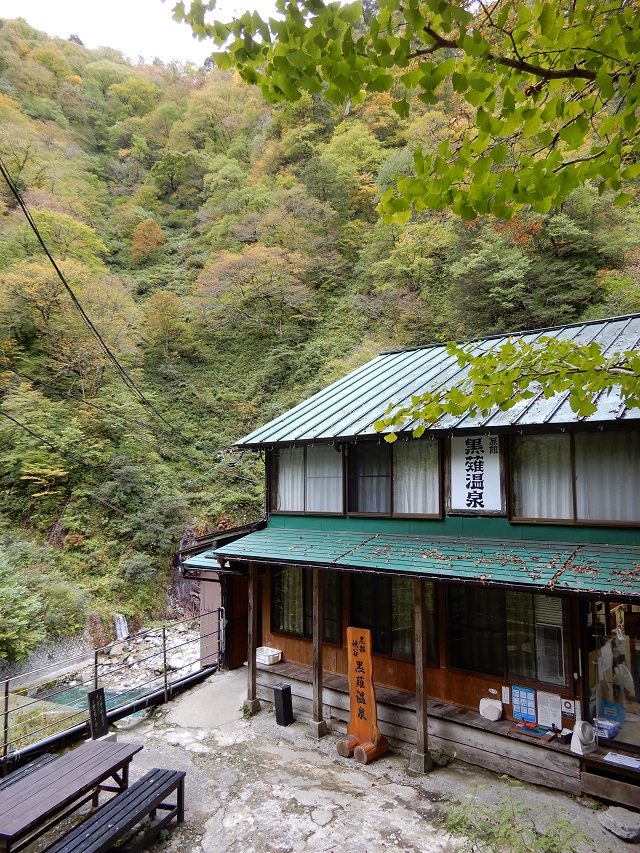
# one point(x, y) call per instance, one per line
point(230, 256)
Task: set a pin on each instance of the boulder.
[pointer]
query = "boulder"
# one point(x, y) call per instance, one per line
point(621, 822)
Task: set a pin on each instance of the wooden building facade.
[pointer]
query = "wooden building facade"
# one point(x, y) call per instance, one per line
point(493, 558)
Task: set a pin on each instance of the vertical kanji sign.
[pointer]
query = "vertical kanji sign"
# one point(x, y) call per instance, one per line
point(98, 722)
point(475, 474)
point(363, 739)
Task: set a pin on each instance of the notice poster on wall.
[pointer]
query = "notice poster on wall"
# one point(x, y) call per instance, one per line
point(475, 474)
point(524, 704)
point(549, 710)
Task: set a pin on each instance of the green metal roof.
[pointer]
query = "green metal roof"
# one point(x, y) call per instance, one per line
point(615, 571)
point(348, 408)
point(544, 566)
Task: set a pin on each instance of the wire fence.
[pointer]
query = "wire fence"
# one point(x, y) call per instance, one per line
point(47, 705)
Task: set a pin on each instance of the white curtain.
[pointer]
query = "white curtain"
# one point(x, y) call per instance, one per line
point(542, 477)
point(324, 479)
point(607, 476)
point(416, 478)
point(291, 479)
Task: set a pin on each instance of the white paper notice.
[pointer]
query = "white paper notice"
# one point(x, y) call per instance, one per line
point(506, 695)
point(549, 709)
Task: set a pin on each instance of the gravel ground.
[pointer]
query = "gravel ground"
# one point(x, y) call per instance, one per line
point(255, 787)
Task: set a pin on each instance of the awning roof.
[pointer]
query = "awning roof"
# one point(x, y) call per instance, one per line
point(348, 408)
point(543, 566)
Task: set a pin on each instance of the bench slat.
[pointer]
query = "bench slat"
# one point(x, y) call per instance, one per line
point(100, 831)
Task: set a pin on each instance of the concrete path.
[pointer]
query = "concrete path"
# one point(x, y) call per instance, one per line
point(256, 787)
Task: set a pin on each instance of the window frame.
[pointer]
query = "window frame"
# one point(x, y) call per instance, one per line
point(572, 522)
point(348, 477)
point(307, 605)
point(449, 624)
point(506, 674)
point(431, 659)
point(273, 484)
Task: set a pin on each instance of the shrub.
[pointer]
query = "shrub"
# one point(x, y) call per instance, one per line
point(138, 568)
point(21, 627)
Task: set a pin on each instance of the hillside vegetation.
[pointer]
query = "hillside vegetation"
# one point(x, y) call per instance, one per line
point(230, 256)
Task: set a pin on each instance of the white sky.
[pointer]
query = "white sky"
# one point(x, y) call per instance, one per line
point(136, 27)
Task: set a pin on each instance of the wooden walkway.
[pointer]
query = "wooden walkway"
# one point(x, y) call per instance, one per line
point(455, 731)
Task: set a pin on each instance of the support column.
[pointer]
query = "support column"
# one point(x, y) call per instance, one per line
point(420, 761)
point(252, 703)
point(317, 725)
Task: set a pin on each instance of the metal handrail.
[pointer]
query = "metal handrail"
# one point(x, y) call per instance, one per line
point(159, 687)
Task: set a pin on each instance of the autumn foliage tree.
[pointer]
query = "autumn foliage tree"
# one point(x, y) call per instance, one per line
point(262, 287)
point(146, 239)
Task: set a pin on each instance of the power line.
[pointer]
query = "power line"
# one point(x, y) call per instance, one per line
point(102, 470)
point(129, 382)
point(52, 446)
point(51, 387)
point(162, 448)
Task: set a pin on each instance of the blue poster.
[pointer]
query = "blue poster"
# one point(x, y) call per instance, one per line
point(523, 703)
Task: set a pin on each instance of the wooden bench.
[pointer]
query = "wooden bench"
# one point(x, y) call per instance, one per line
point(99, 832)
point(21, 772)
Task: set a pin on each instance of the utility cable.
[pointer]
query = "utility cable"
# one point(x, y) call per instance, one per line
point(217, 468)
point(161, 448)
point(129, 382)
point(52, 446)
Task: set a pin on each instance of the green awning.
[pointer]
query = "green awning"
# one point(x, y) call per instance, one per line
point(537, 565)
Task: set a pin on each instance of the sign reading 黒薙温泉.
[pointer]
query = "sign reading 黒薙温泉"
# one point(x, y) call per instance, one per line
point(475, 474)
point(363, 739)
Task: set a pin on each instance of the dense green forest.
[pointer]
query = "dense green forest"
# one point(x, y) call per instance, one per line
point(230, 255)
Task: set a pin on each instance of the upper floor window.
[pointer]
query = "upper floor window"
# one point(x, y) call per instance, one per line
point(402, 479)
point(308, 479)
point(398, 479)
point(583, 477)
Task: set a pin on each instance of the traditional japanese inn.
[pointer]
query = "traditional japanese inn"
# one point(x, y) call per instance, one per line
point(495, 561)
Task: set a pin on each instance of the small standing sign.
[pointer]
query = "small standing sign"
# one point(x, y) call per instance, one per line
point(98, 722)
point(363, 740)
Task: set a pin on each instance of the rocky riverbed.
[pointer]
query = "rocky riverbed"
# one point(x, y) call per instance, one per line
point(139, 660)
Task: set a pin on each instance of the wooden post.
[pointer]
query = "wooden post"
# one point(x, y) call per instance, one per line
point(420, 760)
point(317, 725)
point(252, 703)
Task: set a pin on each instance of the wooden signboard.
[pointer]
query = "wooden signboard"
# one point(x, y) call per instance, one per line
point(363, 740)
point(98, 722)
point(475, 474)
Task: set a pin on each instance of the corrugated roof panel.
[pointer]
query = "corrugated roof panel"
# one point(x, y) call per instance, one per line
point(611, 570)
point(349, 407)
point(293, 546)
point(485, 561)
point(544, 566)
